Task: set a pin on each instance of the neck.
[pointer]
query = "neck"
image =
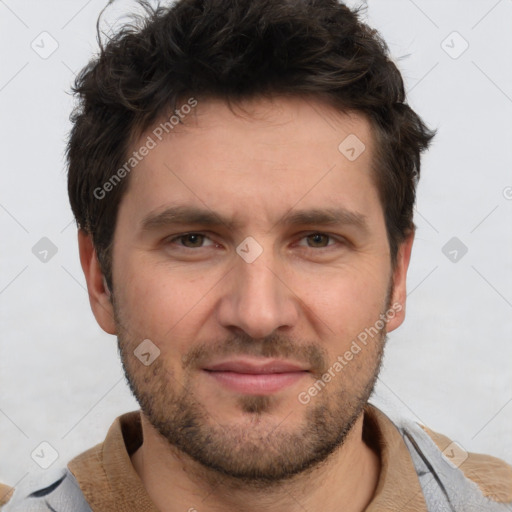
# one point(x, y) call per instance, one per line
point(347, 480)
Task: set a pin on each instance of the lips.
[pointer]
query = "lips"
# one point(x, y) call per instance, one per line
point(255, 367)
point(255, 377)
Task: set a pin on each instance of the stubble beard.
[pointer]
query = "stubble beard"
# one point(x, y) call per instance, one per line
point(260, 450)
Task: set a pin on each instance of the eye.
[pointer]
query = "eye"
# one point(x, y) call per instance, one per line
point(192, 240)
point(317, 240)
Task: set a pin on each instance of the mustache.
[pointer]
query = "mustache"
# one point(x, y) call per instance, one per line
point(272, 346)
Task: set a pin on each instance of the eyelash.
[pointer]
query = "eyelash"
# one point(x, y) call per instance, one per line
point(338, 240)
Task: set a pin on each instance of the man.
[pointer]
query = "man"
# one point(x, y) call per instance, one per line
point(243, 177)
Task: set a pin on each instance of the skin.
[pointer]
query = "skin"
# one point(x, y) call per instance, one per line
point(304, 299)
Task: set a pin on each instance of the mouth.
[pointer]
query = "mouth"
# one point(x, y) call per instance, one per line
point(255, 376)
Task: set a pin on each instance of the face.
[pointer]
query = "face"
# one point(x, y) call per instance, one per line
point(252, 254)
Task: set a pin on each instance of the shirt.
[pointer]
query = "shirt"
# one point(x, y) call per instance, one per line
point(108, 481)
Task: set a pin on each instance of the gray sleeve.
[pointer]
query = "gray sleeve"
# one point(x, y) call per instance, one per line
point(60, 493)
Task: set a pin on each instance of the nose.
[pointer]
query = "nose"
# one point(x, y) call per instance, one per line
point(257, 299)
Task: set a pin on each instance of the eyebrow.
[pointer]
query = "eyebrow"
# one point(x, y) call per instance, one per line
point(181, 215)
point(189, 215)
point(326, 217)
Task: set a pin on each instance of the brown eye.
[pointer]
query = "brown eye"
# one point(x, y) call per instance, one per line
point(192, 240)
point(318, 240)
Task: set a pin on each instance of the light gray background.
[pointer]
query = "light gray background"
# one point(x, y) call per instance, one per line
point(448, 366)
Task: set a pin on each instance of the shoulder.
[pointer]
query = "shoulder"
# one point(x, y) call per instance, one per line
point(493, 476)
point(57, 491)
point(5, 493)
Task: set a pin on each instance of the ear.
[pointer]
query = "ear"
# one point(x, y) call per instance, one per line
point(399, 295)
point(99, 294)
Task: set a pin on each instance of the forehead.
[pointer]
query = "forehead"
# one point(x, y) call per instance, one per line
point(258, 158)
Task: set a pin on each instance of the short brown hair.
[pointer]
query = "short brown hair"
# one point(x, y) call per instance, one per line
point(236, 50)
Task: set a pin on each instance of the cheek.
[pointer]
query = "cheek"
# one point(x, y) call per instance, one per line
point(345, 302)
point(163, 304)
